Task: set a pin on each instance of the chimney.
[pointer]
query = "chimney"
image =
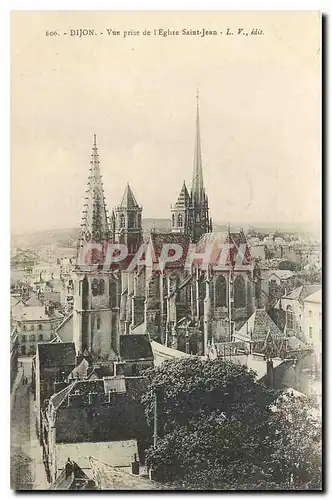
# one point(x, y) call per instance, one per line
point(158, 414)
point(135, 466)
point(78, 358)
point(119, 368)
point(269, 373)
point(68, 467)
point(93, 396)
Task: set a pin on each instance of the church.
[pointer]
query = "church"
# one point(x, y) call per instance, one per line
point(185, 308)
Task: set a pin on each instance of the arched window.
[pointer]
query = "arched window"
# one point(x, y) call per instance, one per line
point(101, 287)
point(220, 292)
point(122, 221)
point(239, 292)
point(40, 327)
point(23, 338)
point(112, 293)
point(23, 350)
point(32, 338)
point(180, 220)
point(32, 327)
point(173, 220)
point(289, 318)
point(95, 287)
point(24, 328)
point(98, 323)
point(132, 220)
point(40, 337)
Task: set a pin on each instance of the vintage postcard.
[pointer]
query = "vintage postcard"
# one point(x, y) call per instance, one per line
point(165, 292)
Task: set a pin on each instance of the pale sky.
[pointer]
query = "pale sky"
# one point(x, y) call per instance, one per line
point(260, 114)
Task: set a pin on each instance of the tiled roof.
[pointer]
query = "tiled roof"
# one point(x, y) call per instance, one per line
point(57, 354)
point(218, 240)
point(81, 370)
point(64, 322)
point(183, 198)
point(58, 398)
point(157, 240)
point(100, 371)
point(34, 313)
point(259, 324)
point(314, 297)
point(301, 292)
point(33, 301)
point(135, 347)
point(282, 274)
point(116, 453)
point(76, 480)
point(107, 477)
point(128, 199)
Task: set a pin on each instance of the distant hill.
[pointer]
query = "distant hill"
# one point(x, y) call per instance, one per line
point(68, 237)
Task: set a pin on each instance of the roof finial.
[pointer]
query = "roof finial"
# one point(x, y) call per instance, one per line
point(94, 140)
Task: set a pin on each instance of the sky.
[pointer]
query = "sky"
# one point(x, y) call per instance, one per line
point(260, 114)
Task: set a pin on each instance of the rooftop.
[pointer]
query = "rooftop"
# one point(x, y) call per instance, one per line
point(57, 354)
point(107, 477)
point(257, 327)
point(135, 347)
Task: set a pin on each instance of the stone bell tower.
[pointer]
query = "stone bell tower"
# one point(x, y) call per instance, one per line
point(96, 290)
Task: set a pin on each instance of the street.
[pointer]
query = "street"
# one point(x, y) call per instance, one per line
point(27, 469)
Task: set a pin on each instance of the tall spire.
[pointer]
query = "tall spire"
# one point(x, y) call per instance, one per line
point(197, 189)
point(95, 226)
point(128, 199)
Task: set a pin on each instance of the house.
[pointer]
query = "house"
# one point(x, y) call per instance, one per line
point(290, 311)
point(280, 277)
point(52, 365)
point(35, 323)
point(72, 478)
point(93, 417)
point(260, 334)
point(108, 477)
point(312, 319)
point(136, 352)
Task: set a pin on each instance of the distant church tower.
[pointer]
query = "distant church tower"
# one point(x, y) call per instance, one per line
point(96, 291)
point(190, 214)
point(180, 212)
point(127, 222)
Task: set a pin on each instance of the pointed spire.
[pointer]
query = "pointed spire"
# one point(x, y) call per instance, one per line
point(197, 182)
point(95, 227)
point(128, 199)
point(183, 198)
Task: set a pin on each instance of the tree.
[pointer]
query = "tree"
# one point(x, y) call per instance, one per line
point(223, 430)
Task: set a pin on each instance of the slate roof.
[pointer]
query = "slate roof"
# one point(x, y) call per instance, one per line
point(58, 398)
point(128, 199)
point(282, 274)
point(57, 354)
point(259, 324)
point(183, 198)
point(219, 239)
point(33, 301)
point(107, 477)
point(157, 240)
point(100, 371)
point(135, 347)
point(315, 297)
point(116, 453)
point(76, 480)
point(303, 291)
